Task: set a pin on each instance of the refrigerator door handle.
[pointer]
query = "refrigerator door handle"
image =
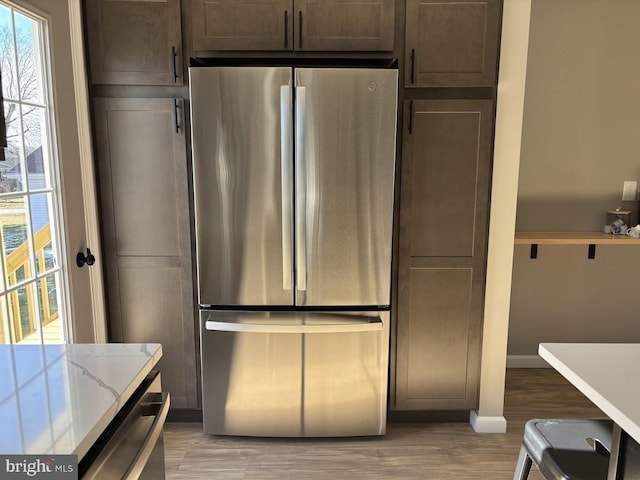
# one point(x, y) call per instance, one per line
point(368, 326)
point(285, 168)
point(301, 192)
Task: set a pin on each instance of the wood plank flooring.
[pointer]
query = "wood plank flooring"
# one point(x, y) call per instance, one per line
point(411, 451)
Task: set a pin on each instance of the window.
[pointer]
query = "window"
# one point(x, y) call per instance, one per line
point(32, 290)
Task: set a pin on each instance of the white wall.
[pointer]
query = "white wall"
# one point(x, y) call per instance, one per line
point(581, 140)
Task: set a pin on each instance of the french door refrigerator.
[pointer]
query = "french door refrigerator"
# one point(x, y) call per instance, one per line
point(293, 190)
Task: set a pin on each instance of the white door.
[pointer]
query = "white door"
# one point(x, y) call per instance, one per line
point(47, 193)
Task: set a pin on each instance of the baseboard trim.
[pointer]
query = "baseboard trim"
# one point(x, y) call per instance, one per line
point(486, 424)
point(437, 416)
point(526, 361)
point(184, 415)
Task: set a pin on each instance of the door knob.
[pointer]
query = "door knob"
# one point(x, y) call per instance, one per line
point(81, 258)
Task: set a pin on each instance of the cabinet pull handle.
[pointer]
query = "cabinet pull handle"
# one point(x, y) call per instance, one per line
point(286, 29)
point(413, 64)
point(300, 29)
point(410, 117)
point(175, 114)
point(174, 54)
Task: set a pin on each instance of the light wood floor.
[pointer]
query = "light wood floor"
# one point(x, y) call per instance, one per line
point(430, 451)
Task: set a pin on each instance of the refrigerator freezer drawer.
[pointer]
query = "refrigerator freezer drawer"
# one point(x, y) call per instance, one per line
point(294, 374)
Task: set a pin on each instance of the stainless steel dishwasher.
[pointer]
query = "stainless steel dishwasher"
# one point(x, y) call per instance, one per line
point(132, 446)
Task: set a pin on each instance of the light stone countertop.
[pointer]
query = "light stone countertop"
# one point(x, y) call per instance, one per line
point(58, 399)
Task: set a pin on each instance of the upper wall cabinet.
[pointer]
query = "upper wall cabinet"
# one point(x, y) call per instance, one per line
point(288, 25)
point(344, 25)
point(134, 42)
point(452, 42)
point(242, 24)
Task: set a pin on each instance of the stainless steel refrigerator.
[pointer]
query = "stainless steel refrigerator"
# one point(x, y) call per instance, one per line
point(293, 189)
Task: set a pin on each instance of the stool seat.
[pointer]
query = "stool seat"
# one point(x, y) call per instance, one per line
point(565, 449)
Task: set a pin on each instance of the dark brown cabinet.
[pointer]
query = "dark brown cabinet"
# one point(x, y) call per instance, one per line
point(445, 168)
point(134, 42)
point(142, 168)
point(293, 25)
point(345, 25)
point(452, 43)
point(242, 25)
point(442, 252)
point(141, 157)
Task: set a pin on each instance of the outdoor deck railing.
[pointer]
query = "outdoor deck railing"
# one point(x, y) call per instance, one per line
point(17, 259)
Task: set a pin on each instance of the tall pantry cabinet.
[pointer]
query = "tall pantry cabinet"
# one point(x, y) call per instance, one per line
point(442, 244)
point(450, 79)
point(135, 59)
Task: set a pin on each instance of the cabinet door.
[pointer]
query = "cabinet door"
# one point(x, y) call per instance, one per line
point(134, 42)
point(443, 239)
point(145, 220)
point(452, 42)
point(344, 25)
point(242, 25)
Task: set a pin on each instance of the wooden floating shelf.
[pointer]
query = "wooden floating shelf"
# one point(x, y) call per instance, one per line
point(573, 238)
point(591, 239)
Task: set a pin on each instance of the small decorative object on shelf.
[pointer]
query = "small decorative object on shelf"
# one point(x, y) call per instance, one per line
point(617, 221)
point(634, 231)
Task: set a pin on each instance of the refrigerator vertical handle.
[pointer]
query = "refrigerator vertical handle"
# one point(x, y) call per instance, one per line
point(301, 192)
point(286, 180)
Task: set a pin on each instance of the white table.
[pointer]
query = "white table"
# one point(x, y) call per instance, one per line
point(608, 374)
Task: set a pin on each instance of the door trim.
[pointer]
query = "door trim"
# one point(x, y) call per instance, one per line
point(90, 204)
point(81, 329)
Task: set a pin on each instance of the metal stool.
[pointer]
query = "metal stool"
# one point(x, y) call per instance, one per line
point(565, 449)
